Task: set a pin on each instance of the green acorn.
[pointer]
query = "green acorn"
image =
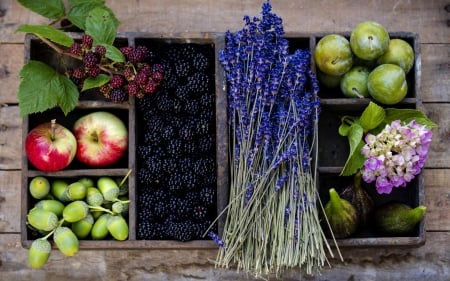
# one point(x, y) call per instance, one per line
point(42, 219)
point(87, 182)
point(109, 188)
point(66, 241)
point(76, 191)
point(118, 227)
point(39, 187)
point(59, 190)
point(94, 197)
point(82, 228)
point(75, 211)
point(99, 230)
point(53, 206)
point(39, 253)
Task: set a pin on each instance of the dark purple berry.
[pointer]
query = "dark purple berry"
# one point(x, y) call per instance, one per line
point(76, 49)
point(90, 60)
point(86, 41)
point(117, 81)
point(132, 88)
point(100, 50)
point(78, 73)
point(94, 71)
point(117, 95)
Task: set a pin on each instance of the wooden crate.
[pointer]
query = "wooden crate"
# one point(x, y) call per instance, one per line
point(333, 150)
point(94, 101)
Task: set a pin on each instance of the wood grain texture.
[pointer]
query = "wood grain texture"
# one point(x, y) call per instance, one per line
point(10, 138)
point(427, 18)
point(435, 72)
point(11, 61)
point(438, 154)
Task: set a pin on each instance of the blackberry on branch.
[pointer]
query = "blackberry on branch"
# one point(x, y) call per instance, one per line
point(118, 95)
point(100, 50)
point(117, 81)
point(86, 41)
point(76, 49)
point(90, 60)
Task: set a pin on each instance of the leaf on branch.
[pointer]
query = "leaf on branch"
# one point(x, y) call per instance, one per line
point(101, 26)
point(407, 115)
point(372, 116)
point(90, 82)
point(80, 10)
point(355, 135)
point(113, 53)
point(48, 32)
point(52, 9)
point(43, 88)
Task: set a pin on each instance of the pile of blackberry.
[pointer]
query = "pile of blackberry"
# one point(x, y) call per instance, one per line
point(176, 163)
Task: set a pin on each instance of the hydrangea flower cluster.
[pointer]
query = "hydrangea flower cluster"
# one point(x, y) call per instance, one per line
point(396, 155)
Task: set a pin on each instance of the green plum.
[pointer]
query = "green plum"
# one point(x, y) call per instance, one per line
point(369, 40)
point(387, 84)
point(354, 83)
point(399, 53)
point(333, 55)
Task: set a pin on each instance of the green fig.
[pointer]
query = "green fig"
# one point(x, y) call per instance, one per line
point(59, 190)
point(66, 241)
point(108, 187)
point(99, 230)
point(39, 253)
point(82, 228)
point(75, 211)
point(360, 199)
point(94, 197)
point(42, 219)
point(342, 215)
point(51, 205)
point(76, 191)
point(396, 218)
point(354, 83)
point(118, 227)
point(39, 187)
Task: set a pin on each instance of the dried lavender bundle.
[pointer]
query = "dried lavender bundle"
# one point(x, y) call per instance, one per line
point(272, 220)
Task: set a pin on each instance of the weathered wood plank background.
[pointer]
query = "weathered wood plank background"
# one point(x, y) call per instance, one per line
point(430, 19)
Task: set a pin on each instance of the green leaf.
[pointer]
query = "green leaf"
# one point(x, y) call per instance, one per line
point(77, 2)
point(113, 53)
point(407, 115)
point(372, 116)
point(80, 10)
point(100, 80)
point(101, 26)
point(355, 135)
point(346, 122)
point(354, 162)
point(52, 9)
point(43, 88)
point(48, 32)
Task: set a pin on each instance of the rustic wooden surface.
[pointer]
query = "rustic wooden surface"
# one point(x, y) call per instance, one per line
point(430, 19)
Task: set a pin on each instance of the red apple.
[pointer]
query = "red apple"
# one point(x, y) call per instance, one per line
point(102, 139)
point(50, 147)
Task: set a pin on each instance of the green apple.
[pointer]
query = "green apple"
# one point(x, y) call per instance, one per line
point(399, 53)
point(387, 84)
point(369, 40)
point(354, 83)
point(333, 55)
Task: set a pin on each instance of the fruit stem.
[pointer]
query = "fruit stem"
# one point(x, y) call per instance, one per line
point(357, 93)
point(371, 42)
point(98, 208)
point(335, 60)
point(52, 129)
point(357, 179)
point(125, 178)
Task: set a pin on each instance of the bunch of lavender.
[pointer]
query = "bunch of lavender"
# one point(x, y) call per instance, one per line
point(396, 155)
point(272, 221)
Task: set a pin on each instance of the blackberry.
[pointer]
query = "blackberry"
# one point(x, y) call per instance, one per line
point(145, 177)
point(126, 50)
point(141, 78)
point(191, 106)
point(160, 209)
point(198, 82)
point(186, 164)
point(76, 49)
point(207, 100)
point(174, 147)
point(189, 147)
point(205, 166)
point(117, 81)
point(174, 181)
point(141, 53)
point(100, 50)
point(199, 212)
point(181, 92)
point(168, 132)
point(93, 71)
point(145, 214)
point(150, 87)
point(210, 179)
point(190, 181)
point(90, 60)
point(205, 143)
point(105, 89)
point(154, 166)
point(200, 62)
point(187, 131)
point(164, 102)
point(158, 76)
point(151, 231)
point(180, 207)
point(182, 68)
point(206, 115)
point(181, 231)
point(207, 195)
point(129, 73)
point(118, 95)
point(146, 151)
point(201, 127)
point(132, 88)
point(86, 41)
point(78, 73)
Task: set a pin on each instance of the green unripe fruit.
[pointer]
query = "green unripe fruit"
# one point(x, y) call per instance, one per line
point(39, 187)
point(59, 190)
point(118, 227)
point(108, 187)
point(117, 207)
point(399, 53)
point(333, 55)
point(341, 215)
point(75, 211)
point(42, 219)
point(66, 241)
point(51, 205)
point(99, 230)
point(329, 81)
point(96, 214)
point(76, 191)
point(39, 253)
point(87, 182)
point(369, 40)
point(82, 228)
point(387, 84)
point(94, 197)
point(123, 189)
point(354, 83)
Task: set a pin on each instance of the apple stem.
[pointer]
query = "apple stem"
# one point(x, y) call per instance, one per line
point(52, 129)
